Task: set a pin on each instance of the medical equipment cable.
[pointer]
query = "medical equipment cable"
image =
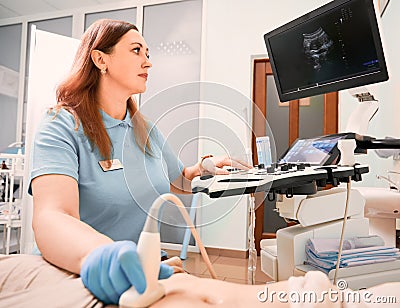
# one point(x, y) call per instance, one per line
point(252, 261)
point(148, 248)
point(393, 184)
point(175, 200)
point(343, 229)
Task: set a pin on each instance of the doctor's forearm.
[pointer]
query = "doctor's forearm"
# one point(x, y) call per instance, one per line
point(64, 240)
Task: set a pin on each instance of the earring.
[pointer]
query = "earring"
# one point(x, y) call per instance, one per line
point(103, 70)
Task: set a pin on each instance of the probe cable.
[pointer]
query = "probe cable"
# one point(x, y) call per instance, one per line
point(343, 228)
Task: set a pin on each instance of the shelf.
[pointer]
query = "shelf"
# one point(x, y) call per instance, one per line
point(10, 176)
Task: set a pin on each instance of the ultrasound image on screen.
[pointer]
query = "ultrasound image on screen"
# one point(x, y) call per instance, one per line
point(317, 46)
point(325, 49)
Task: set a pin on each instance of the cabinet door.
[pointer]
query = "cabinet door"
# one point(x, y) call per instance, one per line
point(304, 118)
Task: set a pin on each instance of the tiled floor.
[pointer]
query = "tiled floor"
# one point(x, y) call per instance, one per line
point(226, 268)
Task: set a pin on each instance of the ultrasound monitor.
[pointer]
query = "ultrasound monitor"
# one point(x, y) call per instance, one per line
point(335, 47)
point(314, 151)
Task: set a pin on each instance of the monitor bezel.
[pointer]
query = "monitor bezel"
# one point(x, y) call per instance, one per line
point(343, 84)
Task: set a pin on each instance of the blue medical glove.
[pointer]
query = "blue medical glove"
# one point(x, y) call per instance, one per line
point(111, 269)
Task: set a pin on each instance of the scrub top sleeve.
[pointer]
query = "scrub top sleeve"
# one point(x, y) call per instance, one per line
point(55, 148)
point(175, 165)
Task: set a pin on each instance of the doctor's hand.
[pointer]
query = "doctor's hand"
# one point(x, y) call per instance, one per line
point(214, 164)
point(111, 269)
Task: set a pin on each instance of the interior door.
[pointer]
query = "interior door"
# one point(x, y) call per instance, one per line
point(294, 122)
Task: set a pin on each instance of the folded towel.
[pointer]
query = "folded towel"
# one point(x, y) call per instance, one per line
point(323, 253)
point(326, 268)
point(328, 263)
point(327, 245)
point(352, 252)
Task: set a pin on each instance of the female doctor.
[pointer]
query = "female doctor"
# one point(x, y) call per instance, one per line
point(85, 219)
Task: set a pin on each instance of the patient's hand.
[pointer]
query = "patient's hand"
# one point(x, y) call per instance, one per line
point(176, 264)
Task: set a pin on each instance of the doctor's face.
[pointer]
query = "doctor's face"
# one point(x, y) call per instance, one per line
point(128, 64)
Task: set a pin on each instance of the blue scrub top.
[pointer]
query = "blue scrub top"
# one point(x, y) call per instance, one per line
point(114, 203)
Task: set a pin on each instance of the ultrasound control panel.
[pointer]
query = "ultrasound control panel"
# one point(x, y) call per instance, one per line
point(283, 178)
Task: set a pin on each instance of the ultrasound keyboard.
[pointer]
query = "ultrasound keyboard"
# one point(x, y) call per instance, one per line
point(289, 179)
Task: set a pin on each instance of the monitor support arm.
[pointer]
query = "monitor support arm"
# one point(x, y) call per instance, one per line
point(362, 115)
point(357, 126)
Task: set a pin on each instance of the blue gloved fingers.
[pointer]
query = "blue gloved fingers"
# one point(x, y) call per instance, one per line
point(96, 289)
point(105, 280)
point(118, 277)
point(91, 274)
point(166, 271)
point(130, 263)
point(111, 269)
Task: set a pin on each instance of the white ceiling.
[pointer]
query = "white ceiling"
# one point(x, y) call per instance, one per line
point(14, 8)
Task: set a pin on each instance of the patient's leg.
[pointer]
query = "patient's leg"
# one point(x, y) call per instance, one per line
point(30, 281)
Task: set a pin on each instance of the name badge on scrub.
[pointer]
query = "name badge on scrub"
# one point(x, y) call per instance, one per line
point(110, 165)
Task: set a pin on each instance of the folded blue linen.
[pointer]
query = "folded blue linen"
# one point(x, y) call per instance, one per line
point(331, 245)
point(323, 253)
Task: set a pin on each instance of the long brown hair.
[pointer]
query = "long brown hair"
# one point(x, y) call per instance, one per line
point(77, 93)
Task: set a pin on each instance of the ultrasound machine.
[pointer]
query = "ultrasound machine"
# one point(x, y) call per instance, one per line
point(334, 47)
